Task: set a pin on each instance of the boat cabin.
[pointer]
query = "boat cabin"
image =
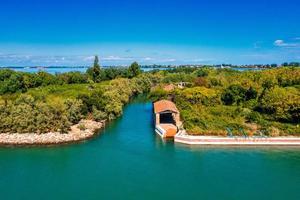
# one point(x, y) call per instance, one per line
point(167, 118)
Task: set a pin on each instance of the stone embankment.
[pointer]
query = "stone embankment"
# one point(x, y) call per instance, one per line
point(255, 141)
point(83, 130)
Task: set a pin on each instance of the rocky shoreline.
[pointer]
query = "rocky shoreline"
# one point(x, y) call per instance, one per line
point(83, 130)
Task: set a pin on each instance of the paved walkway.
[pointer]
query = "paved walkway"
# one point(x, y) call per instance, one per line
point(214, 140)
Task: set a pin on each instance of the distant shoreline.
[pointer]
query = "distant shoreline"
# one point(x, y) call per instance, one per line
point(150, 66)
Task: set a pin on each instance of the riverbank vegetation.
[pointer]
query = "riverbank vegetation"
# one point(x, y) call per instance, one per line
point(55, 102)
point(212, 100)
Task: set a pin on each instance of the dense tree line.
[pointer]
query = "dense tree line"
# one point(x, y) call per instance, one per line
point(35, 114)
point(40, 111)
point(13, 81)
point(211, 100)
point(291, 64)
point(214, 99)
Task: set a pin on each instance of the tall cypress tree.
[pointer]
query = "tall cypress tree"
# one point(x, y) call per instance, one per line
point(96, 62)
point(95, 71)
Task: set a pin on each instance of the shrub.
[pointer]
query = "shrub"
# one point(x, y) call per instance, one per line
point(282, 103)
point(200, 81)
point(215, 82)
point(202, 72)
point(234, 94)
point(200, 95)
point(254, 117)
point(26, 115)
point(82, 127)
point(251, 93)
point(157, 94)
point(98, 115)
point(74, 108)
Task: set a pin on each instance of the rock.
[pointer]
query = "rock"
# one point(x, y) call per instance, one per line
point(75, 134)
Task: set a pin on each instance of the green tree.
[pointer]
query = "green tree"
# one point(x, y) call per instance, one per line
point(134, 69)
point(13, 84)
point(282, 104)
point(274, 65)
point(285, 64)
point(234, 94)
point(96, 62)
point(95, 71)
point(98, 115)
point(202, 72)
point(251, 93)
point(74, 109)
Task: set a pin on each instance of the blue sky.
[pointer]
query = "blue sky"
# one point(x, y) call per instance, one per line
point(65, 32)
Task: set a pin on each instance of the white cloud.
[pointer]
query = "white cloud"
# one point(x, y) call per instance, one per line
point(88, 58)
point(112, 58)
point(169, 60)
point(282, 43)
point(279, 43)
point(147, 58)
point(116, 58)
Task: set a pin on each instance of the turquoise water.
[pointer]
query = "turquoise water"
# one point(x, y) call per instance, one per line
point(128, 161)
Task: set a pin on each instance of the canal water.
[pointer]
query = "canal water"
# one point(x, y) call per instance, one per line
point(128, 161)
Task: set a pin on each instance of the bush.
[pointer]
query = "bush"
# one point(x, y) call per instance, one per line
point(236, 94)
point(74, 108)
point(157, 94)
point(26, 115)
point(215, 82)
point(254, 117)
point(202, 72)
point(200, 81)
point(73, 78)
point(199, 95)
point(282, 103)
point(251, 93)
point(99, 115)
point(82, 127)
